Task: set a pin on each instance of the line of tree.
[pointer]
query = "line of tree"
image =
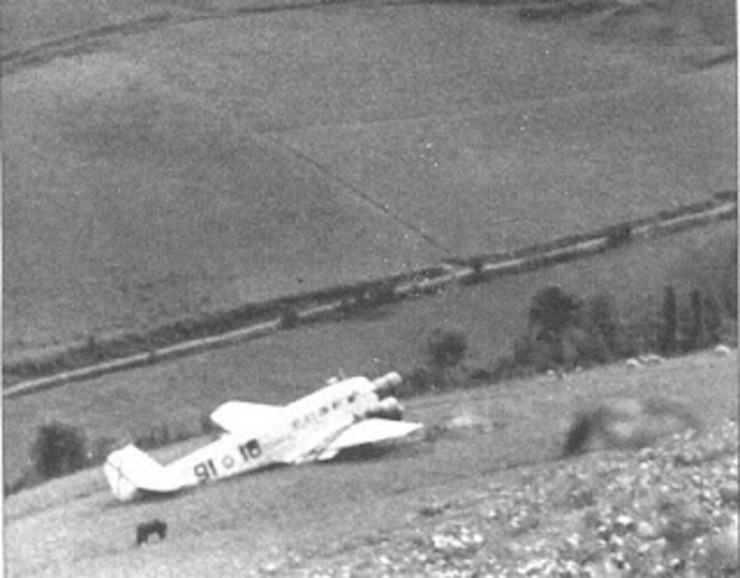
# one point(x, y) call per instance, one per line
point(565, 332)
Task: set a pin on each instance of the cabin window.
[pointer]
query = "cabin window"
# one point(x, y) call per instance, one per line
point(296, 423)
point(337, 403)
point(324, 410)
point(352, 398)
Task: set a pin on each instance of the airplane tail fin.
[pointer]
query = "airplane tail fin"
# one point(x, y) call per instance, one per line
point(130, 471)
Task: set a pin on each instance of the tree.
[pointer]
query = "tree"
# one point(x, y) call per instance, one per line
point(551, 311)
point(712, 320)
point(667, 338)
point(602, 321)
point(695, 334)
point(59, 449)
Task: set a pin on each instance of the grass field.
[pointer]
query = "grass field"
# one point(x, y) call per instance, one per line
point(196, 165)
point(71, 527)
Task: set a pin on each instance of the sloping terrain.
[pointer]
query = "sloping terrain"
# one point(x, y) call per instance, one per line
point(230, 155)
point(308, 515)
point(288, 364)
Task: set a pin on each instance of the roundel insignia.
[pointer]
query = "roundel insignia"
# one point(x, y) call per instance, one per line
point(228, 462)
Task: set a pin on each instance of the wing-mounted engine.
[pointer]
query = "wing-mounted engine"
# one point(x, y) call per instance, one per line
point(388, 408)
point(386, 385)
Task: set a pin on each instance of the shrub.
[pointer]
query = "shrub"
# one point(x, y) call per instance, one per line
point(619, 235)
point(620, 423)
point(59, 449)
point(289, 319)
point(446, 347)
point(381, 293)
point(155, 437)
point(416, 382)
point(101, 448)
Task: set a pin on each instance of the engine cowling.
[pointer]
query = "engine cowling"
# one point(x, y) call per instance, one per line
point(385, 385)
point(389, 408)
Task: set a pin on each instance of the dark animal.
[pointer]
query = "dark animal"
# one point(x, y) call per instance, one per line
point(146, 529)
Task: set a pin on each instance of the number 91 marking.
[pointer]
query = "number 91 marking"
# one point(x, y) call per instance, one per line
point(205, 471)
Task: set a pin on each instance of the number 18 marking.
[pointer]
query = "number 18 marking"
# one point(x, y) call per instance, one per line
point(250, 450)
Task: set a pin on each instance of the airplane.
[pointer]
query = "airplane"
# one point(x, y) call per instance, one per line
point(344, 414)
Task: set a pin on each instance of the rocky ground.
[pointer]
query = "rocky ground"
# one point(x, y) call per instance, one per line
point(667, 510)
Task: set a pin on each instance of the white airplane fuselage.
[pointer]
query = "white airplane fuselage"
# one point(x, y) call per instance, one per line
point(260, 436)
point(307, 424)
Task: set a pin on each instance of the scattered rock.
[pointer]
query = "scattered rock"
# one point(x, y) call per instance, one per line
point(650, 359)
point(722, 350)
point(645, 517)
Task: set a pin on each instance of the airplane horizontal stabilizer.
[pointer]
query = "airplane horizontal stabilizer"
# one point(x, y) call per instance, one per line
point(242, 416)
point(129, 470)
point(369, 431)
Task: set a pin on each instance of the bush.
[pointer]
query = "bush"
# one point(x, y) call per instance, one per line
point(59, 449)
point(290, 319)
point(156, 437)
point(619, 235)
point(101, 448)
point(442, 370)
point(446, 347)
point(415, 382)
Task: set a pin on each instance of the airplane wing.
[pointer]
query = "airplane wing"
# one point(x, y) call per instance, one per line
point(368, 431)
point(238, 416)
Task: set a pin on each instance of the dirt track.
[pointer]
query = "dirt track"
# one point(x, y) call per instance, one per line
point(317, 511)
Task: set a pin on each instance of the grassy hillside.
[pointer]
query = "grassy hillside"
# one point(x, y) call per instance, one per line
point(308, 514)
point(197, 165)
